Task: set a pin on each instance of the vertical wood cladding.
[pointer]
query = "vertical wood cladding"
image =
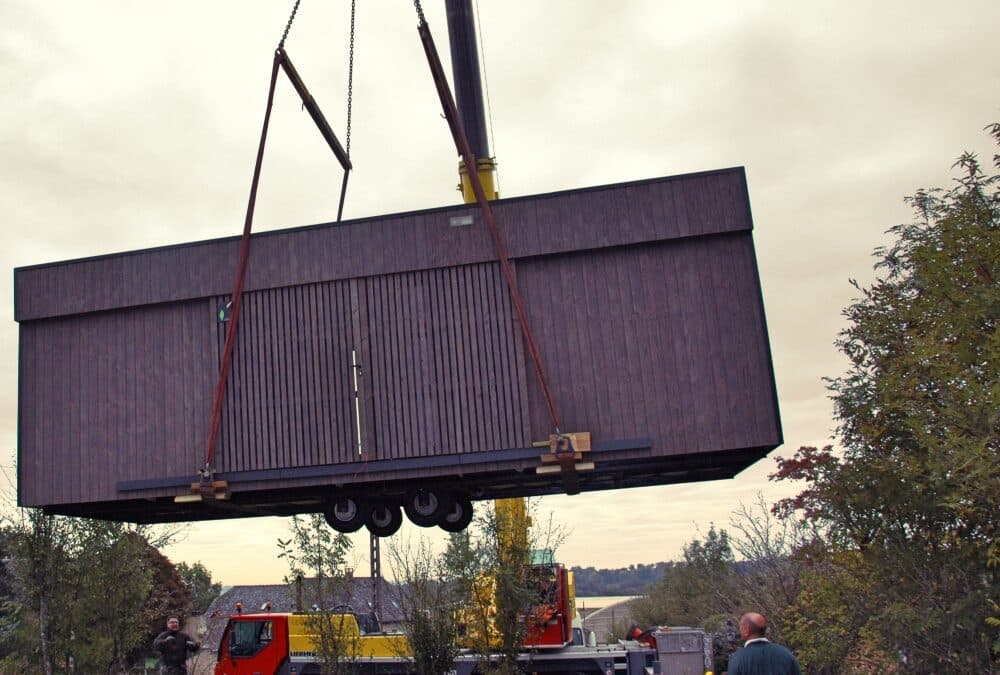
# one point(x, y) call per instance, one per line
point(644, 299)
point(289, 401)
point(110, 395)
point(437, 371)
point(661, 338)
point(443, 375)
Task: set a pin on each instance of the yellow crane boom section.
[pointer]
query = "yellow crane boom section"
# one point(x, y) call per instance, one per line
point(304, 632)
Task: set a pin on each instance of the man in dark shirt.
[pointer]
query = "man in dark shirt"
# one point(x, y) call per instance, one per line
point(760, 656)
point(174, 646)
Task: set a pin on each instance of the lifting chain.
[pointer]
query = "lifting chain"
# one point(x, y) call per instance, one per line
point(288, 26)
point(350, 84)
point(208, 486)
point(420, 12)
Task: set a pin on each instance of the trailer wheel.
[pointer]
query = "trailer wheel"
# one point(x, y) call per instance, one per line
point(425, 507)
point(458, 517)
point(383, 519)
point(345, 515)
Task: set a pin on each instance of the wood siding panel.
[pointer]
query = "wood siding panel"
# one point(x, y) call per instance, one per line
point(698, 204)
point(289, 402)
point(455, 392)
point(661, 338)
point(111, 397)
point(440, 382)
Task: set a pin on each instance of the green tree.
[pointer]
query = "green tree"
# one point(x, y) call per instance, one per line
point(429, 598)
point(169, 596)
point(915, 488)
point(202, 589)
point(756, 568)
point(41, 548)
point(769, 577)
point(506, 550)
point(114, 582)
point(83, 588)
point(631, 580)
point(316, 551)
point(700, 591)
point(491, 567)
point(827, 626)
point(9, 614)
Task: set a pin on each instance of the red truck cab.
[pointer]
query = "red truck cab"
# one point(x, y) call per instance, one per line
point(256, 644)
point(550, 621)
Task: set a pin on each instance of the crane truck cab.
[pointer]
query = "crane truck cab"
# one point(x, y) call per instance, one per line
point(550, 620)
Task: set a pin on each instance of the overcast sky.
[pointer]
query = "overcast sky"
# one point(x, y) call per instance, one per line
point(126, 125)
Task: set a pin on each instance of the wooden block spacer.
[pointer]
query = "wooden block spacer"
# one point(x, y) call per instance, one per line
point(566, 452)
point(206, 490)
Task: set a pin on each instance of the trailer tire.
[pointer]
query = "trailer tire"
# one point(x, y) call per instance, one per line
point(383, 519)
point(426, 508)
point(345, 515)
point(458, 517)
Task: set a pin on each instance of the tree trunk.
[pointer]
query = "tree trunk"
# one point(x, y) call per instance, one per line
point(43, 628)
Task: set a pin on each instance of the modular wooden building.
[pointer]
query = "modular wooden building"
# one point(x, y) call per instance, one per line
point(380, 357)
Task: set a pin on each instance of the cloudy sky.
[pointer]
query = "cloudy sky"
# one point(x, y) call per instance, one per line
point(126, 125)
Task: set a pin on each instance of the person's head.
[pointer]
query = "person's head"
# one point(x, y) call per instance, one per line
point(752, 625)
point(173, 623)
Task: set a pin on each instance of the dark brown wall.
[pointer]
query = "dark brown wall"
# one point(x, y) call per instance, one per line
point(673, 208)
point(659, 340)
point(644, 298)
point(433, 349)
point(112, 396)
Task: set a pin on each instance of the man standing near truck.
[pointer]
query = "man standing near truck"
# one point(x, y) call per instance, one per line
point(759, 655)
point(174, 646)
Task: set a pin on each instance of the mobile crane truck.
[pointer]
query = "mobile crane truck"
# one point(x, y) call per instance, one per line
point(285, 644)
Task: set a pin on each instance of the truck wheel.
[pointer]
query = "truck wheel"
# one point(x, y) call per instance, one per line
point(458, 517)
point(425, 507)
point(383, 519)
point(345, 515)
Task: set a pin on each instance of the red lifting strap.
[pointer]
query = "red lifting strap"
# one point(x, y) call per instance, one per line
point(237, 296)
point(462, 144)
point(281, 60)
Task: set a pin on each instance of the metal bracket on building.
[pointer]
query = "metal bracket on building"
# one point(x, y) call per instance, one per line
point(208, 489)
point(565, 457)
